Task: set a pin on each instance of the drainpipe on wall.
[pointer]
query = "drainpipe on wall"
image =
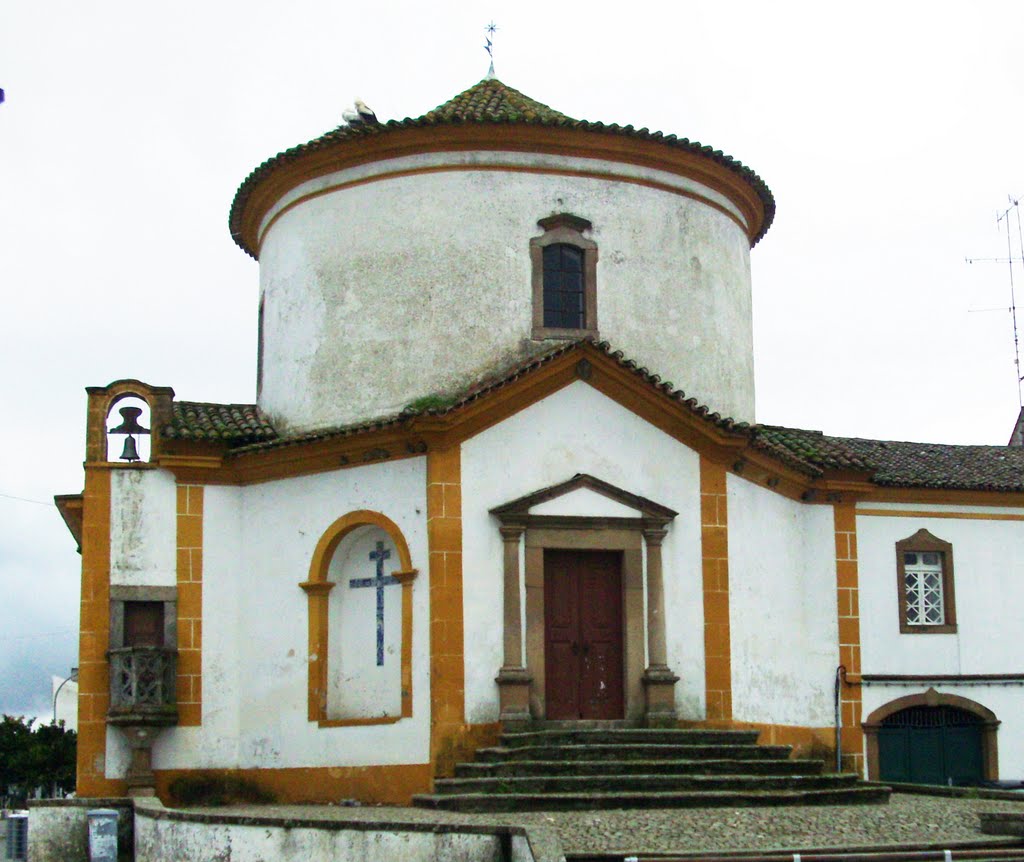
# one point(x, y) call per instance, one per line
point(840, 676)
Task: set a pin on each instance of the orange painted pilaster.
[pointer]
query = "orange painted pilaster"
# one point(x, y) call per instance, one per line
point(190, 606)
point(447, 654)
point(714, 531)
point(848, 607)
point(94, 639)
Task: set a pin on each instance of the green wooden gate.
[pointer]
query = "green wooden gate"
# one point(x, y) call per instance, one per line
point(931, 745)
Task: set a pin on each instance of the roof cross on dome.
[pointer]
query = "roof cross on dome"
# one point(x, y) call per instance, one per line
point(491, 29)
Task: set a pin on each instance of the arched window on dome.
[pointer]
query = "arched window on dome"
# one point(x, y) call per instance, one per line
point(564, 265)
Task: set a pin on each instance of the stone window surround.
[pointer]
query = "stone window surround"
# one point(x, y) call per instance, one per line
point(923, 541)
point(567, 229)
point(989, 726)
point(120, 595)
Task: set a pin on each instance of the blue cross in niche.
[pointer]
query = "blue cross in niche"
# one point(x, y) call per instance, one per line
point(380, 581)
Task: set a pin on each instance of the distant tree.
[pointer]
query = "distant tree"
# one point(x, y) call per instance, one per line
point(41, 759)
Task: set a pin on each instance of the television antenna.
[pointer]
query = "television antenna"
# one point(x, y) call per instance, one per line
point(1002, 219)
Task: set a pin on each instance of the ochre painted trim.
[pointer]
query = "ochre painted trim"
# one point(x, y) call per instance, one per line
point(70, 508)
point(848, 613)
point(714, 533)
point(94, 639)
point(922, 513)
point(512, 169)
point(573, 143)
point(377, 785)
point(447, 650)
point(189, 682)
point(943, 497)
point(318, 589)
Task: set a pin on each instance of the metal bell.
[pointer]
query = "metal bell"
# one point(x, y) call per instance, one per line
point(131, 451)
point(130, 423)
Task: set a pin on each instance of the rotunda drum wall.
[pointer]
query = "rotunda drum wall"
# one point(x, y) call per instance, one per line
point(381, 293)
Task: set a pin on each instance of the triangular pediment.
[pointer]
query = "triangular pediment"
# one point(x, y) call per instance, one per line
point(584, 496)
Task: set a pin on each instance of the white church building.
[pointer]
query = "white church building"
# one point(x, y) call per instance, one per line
point(489, 480)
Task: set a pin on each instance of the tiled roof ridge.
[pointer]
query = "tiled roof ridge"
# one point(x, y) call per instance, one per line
point(462, 109)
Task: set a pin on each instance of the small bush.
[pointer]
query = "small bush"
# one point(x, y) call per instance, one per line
point(202, 789)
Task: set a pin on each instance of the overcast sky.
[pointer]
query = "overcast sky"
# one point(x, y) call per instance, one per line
point(890, 133)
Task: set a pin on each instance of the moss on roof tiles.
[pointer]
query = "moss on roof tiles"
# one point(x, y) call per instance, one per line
point(490, 101)
point(904, 464)
point(231, 423)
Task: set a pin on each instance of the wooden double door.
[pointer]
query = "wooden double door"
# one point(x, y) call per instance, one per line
point(583, 653)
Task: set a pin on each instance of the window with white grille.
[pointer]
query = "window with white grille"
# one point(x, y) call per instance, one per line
point(924, 568)
point(923, 584)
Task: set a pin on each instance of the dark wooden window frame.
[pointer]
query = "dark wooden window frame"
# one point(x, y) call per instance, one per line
point(120, 595)
point(565, 229)
point(924, 542)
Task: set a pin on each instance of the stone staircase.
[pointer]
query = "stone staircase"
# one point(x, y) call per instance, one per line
point(572, 766)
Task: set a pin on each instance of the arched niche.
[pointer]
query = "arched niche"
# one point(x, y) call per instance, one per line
point(986, 718)
point(360, 562)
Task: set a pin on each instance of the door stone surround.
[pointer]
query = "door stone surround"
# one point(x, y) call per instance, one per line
point(648, 690)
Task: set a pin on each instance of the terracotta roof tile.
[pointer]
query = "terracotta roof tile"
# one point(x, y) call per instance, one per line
point(490, 101)
point(233, 423)
point(904, 464)
point(889, 463)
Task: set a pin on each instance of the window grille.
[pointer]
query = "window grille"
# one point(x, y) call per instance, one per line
point(923, 584)
point(932, 716)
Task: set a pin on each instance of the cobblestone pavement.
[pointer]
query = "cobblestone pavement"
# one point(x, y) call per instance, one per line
point(907, 819)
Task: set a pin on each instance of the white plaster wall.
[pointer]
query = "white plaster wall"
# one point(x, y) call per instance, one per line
point(1005, 701)
point(258, 545)
point(143, 528)
point(584, 502)
point(578, 430)
point(387, 291)
point(988, 570)
point(782, 607)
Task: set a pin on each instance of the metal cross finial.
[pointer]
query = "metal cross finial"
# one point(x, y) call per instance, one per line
point(491, 29)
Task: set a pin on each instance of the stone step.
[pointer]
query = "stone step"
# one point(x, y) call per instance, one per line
point(629, 736)
point(470, 802)
point(638, 783)
point(647, 767)
point(634, 752)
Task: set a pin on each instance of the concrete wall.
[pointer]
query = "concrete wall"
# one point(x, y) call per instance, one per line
point(782, 616)
point(578, 430)
point(382, 292)
point(58, 829)
point(163, 836)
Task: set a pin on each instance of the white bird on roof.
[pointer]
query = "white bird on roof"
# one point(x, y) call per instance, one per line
point(363, 113)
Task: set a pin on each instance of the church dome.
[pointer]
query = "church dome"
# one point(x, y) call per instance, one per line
point(406, 259)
